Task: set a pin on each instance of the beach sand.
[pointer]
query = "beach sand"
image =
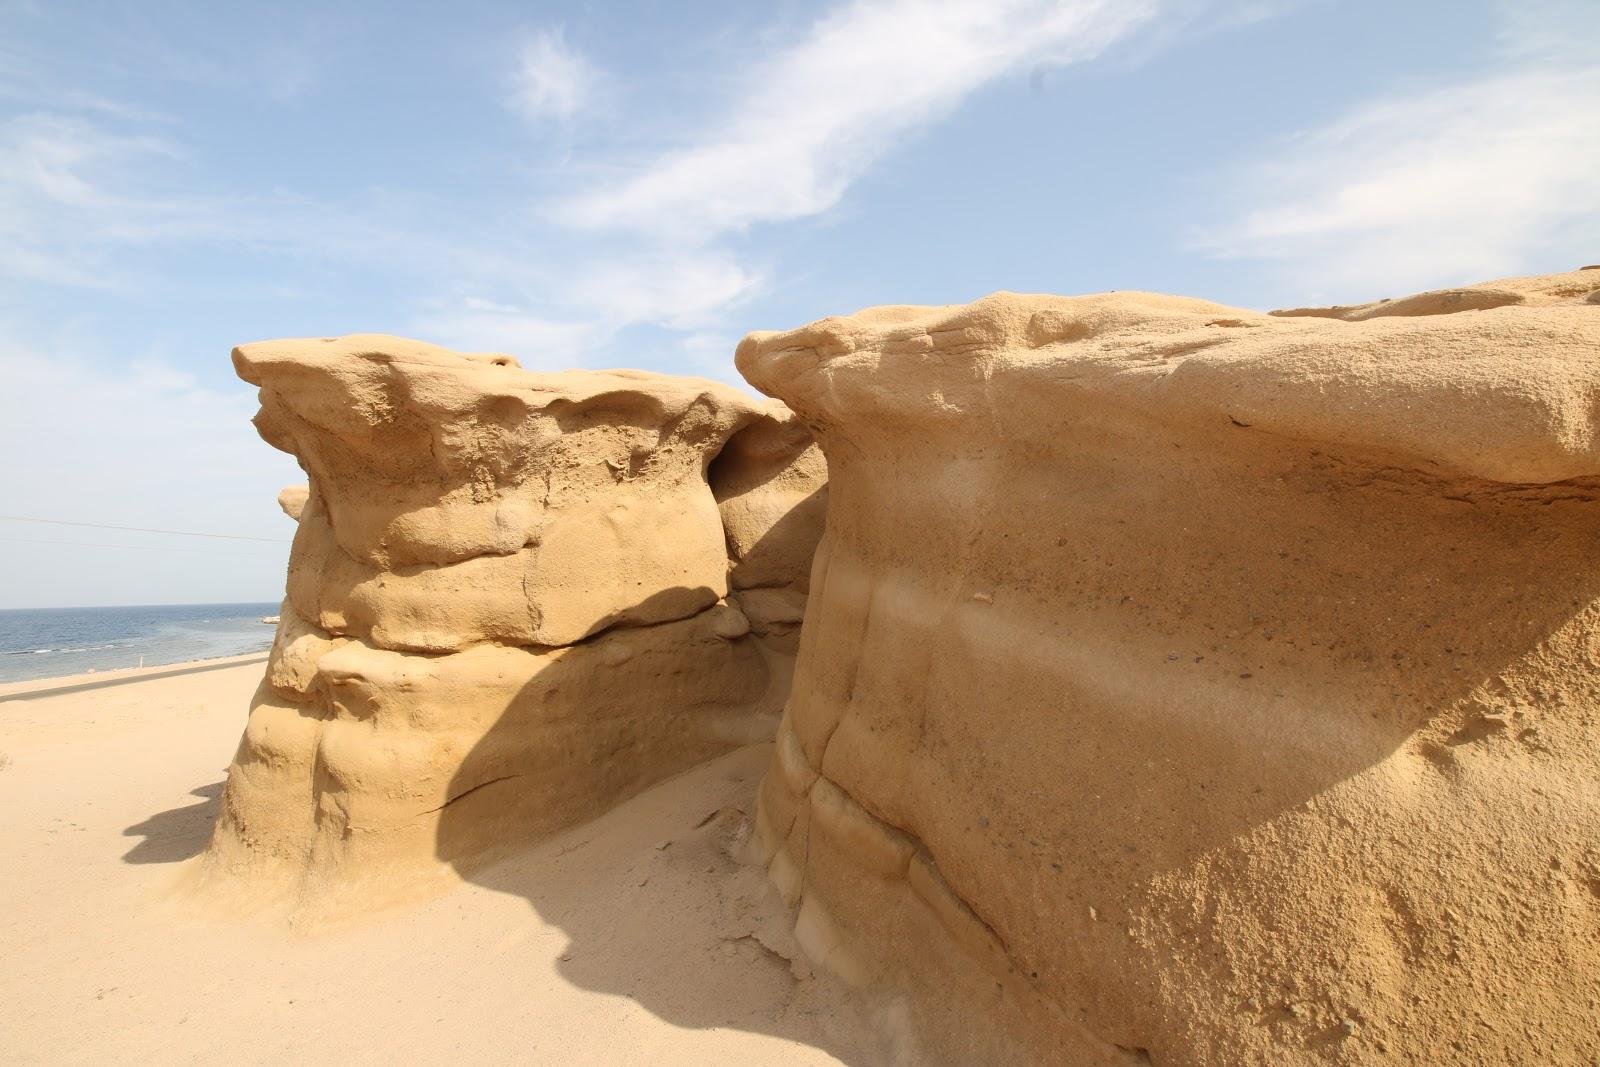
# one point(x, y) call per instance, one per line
point(635, 938)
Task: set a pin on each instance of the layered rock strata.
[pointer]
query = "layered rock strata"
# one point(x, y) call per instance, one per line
point(1188, 685)
point(507, 603)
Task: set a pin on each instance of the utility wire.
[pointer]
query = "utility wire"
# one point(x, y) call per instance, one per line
point(143, 529)
point(136, 548)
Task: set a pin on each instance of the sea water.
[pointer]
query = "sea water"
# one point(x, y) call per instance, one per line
point(49, 642)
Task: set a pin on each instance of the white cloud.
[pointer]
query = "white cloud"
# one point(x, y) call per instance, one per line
point(678, 290)
point(552, 79)
point(681, 289)
point(812, 118)
point(799, 126)
point(80, 195)
point(1463, 182)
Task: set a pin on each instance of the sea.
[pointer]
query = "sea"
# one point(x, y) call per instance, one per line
point(50, 642)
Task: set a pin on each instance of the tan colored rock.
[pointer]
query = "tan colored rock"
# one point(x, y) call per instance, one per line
point(292, 500)
point(422, 458)
point(351, 788)
point(634, 562)
point(504, 608)
point(772, 609)
point(1537, 291)
point(1187, 685)
point(771, 488)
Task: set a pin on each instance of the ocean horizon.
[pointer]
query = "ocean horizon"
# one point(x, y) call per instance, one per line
point(40, 643)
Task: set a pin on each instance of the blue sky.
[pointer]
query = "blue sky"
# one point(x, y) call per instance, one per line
point(640, 184)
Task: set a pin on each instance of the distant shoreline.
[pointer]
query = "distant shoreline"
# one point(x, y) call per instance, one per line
point(36, 687)
point(55, 643)
point(274, 602)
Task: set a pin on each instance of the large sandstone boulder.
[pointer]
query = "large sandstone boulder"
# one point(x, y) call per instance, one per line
point(507, 605)
point(1188, 685)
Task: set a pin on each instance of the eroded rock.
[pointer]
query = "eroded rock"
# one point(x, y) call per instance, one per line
point(1139, 713)
point(505, 606)
point(292, 499)
point(1537, 291)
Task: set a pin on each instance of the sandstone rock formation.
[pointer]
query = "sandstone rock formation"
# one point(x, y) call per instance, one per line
point(1188, 685)
point(1537, 291)
point(292, 499)
point(771, 488)
point(506, 603)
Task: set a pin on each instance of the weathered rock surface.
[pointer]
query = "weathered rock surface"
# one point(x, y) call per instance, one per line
point(292, 499)
point(505, 606)
point(1188, 685)
point(1540, 290)
point(771, 488)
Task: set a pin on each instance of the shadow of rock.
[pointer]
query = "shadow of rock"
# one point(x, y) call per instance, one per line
point(657, 893)
point(661, 906)
point(177, 834)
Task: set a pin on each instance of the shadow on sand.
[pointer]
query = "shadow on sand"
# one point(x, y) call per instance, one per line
point(659, 906)
point(177, 834)
point(658, 896)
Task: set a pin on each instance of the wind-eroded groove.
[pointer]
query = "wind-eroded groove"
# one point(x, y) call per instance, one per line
point(467, 793)
point(980, 939)
point(533, 648)
point(915, 852)
point(619, 625)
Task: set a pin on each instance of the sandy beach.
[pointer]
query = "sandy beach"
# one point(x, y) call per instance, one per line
point(635, 938)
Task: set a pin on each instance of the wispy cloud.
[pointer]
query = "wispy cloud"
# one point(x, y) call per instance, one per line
point(553, 320)
point(797, 126)
point(1459, 182)
point(793, 128)
point(552, 80)
point(143, 445)
point(59, 202)
point(812, 118)
point(83, 197)
point(679, 288)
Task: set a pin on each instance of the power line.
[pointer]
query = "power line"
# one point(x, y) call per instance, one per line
point(143, 529)
point(136, 548)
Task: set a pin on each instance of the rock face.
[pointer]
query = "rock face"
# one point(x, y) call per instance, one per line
point(771, 488)
point(506, 603)
point(1184, 684)
point(1538, 291)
